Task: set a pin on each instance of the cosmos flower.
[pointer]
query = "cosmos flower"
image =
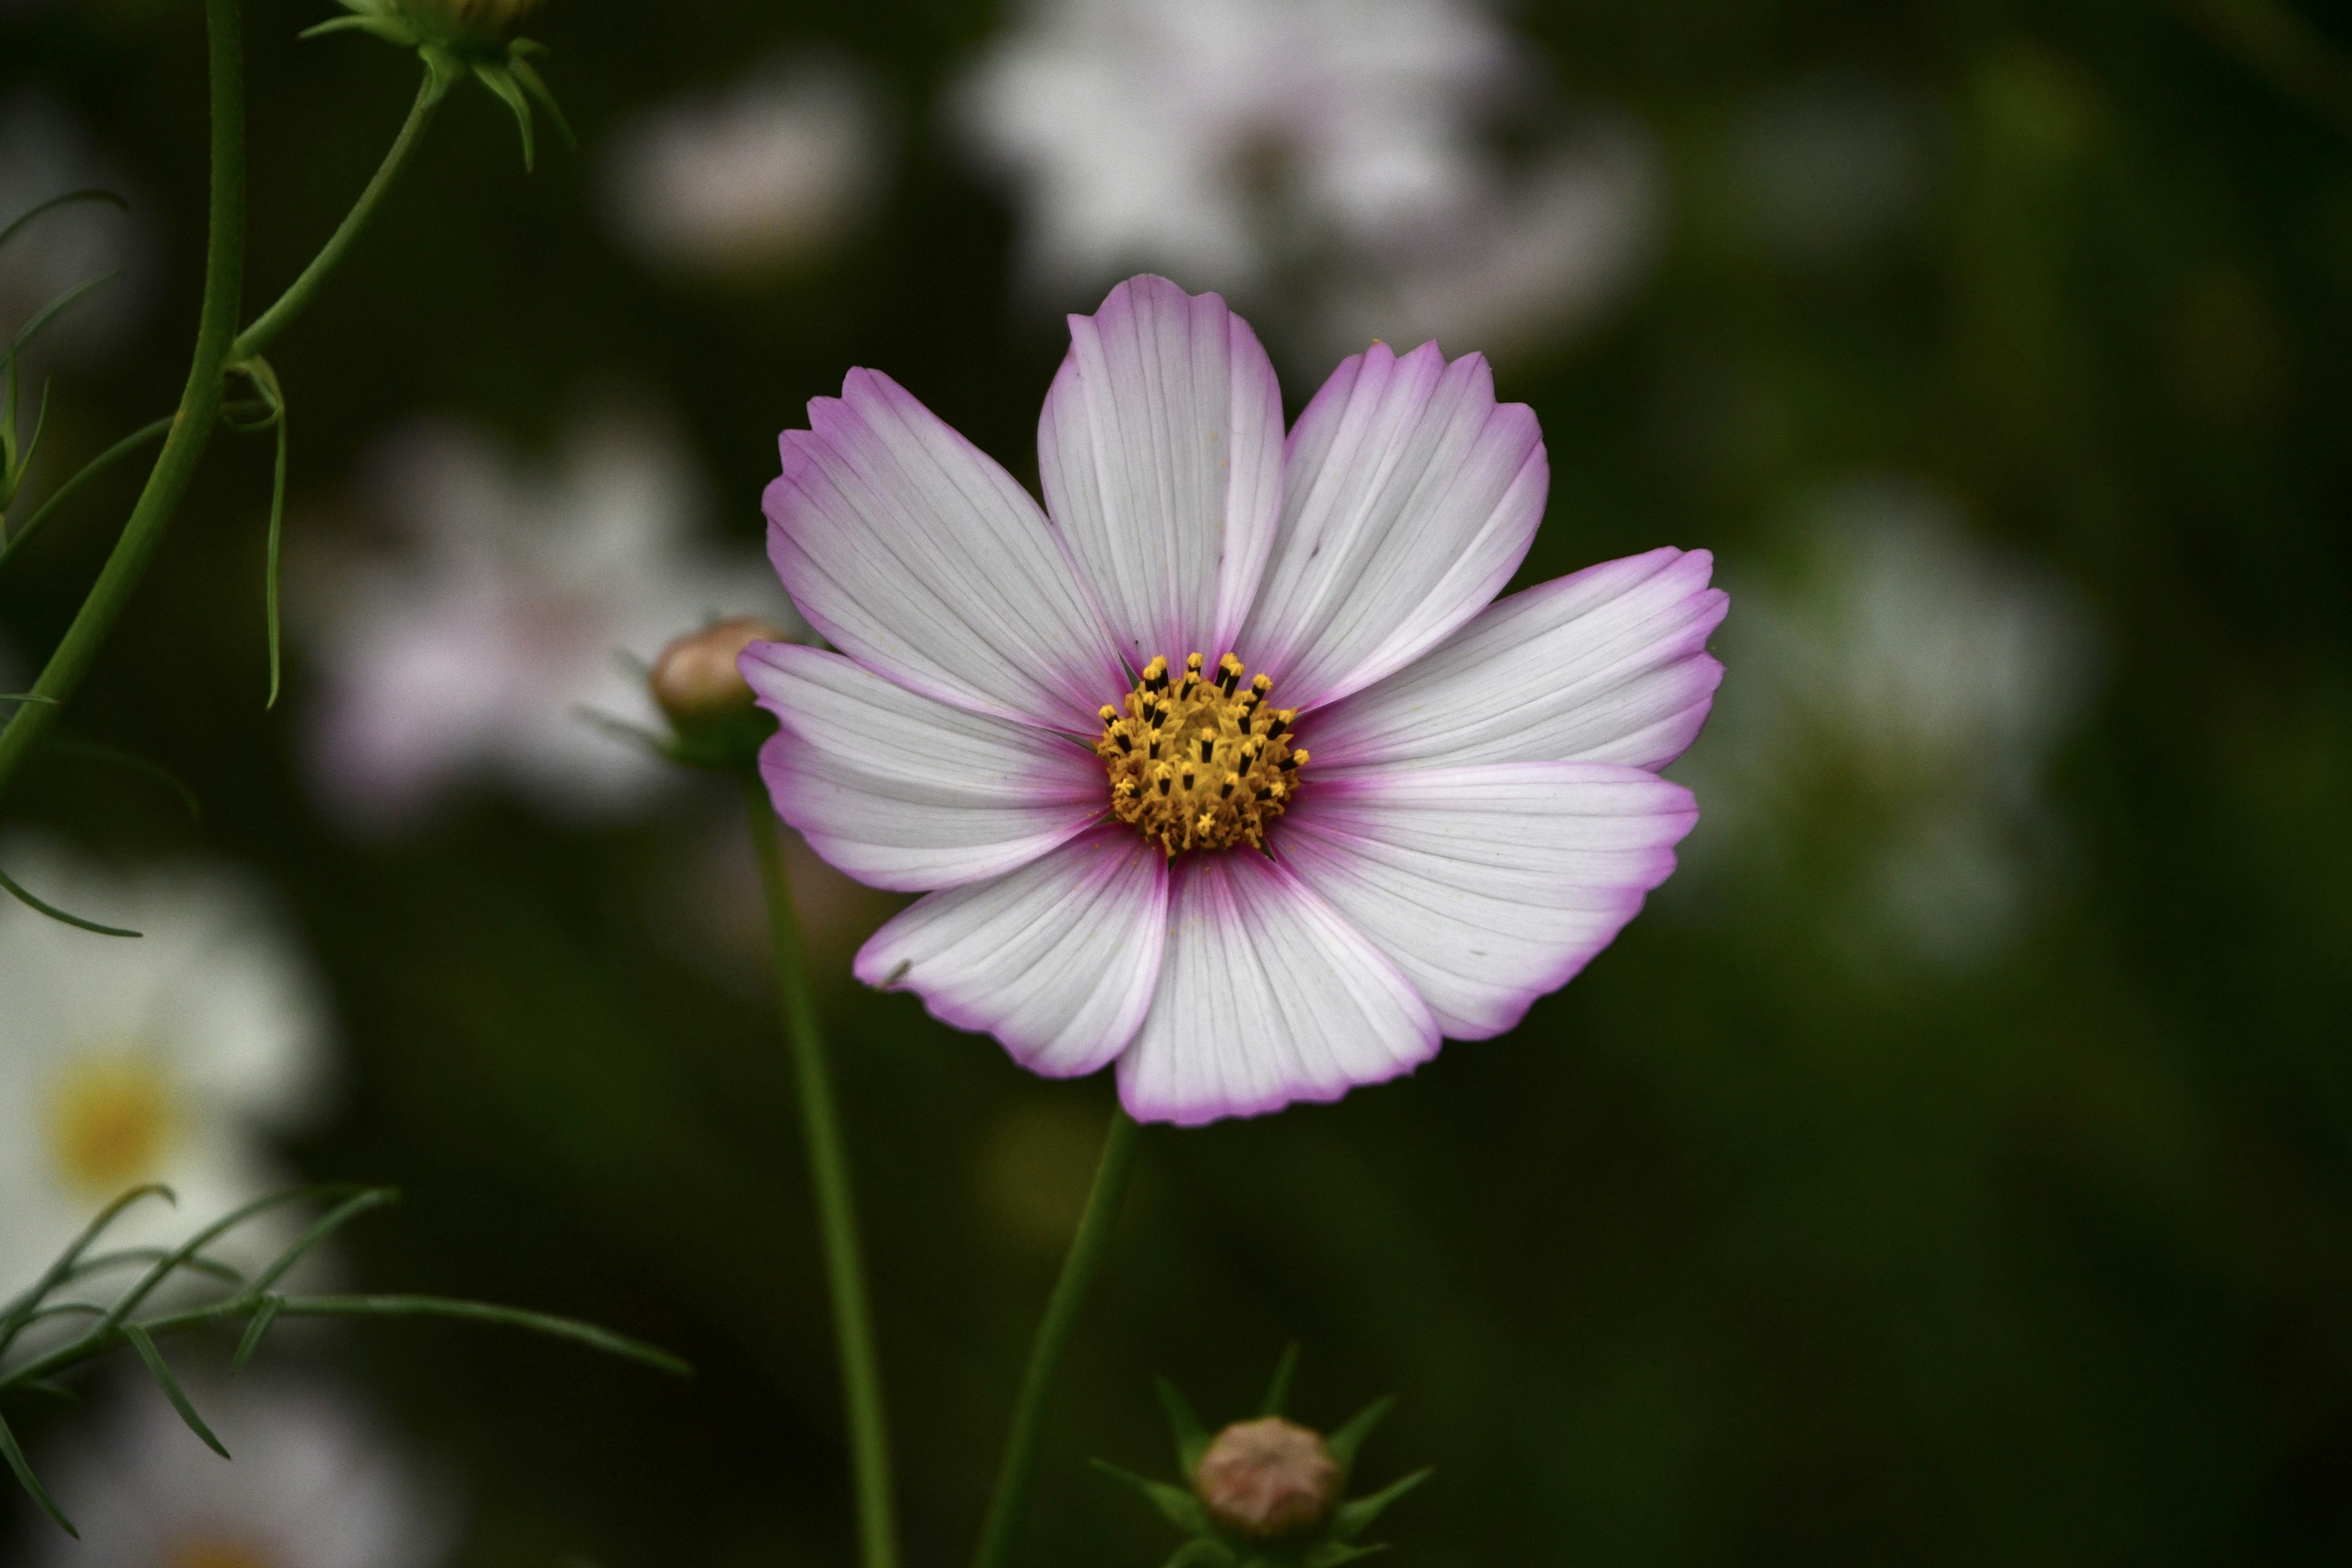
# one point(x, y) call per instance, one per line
point(1337, 156)
point(470, 653)
point(767, 173)
point(314, 1484)
point(1222, 764)
point(1904, 691)
point(169, 1058)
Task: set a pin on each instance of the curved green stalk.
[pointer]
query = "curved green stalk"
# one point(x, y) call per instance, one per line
point(191, 425)
point(861, 1374)
point(1088, 1250)
point(89, 470)
point(257, 337)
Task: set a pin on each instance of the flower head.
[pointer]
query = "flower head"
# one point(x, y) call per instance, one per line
point(1221, 765)
point(1268, 1479)
point(460, 37)
point(165, 1059)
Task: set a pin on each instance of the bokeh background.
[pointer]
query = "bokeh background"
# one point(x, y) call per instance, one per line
point(1954, 1163)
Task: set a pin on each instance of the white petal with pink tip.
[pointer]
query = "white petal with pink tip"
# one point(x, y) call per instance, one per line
point(1058, 960)
point(1266, 996)
point(904, 793)
point(1488, 886)
point(1410, 496)
point(917, 555)
point(1607, 666)
point(1160, 453)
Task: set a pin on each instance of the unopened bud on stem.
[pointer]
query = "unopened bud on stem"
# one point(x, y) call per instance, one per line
point(696, 679)
point(1268, 1479)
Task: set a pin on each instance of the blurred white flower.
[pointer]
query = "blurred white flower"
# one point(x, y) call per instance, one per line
point(45, 152)
point(514, 600)
point(168, 1058)
point(315, 1483)
point(763, 175)
point(1254, 145)
point(1885, 729)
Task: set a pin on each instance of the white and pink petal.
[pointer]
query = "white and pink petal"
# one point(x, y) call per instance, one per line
point(905, 792)
point(1160, 453)
point(1607, 664)
point(1058, 960)
point(1267, 997)
point(917, 554)
point(1487, 887)
point(1410, 496)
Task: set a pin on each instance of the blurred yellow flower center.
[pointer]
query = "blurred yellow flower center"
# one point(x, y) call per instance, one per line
point(109, 1122)
point(1199, 762)
point(209, 1552)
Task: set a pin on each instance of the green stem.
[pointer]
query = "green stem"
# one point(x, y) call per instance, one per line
point(1088, 1250)
point(257, 337)
point(861, 1375)
point(191, 425)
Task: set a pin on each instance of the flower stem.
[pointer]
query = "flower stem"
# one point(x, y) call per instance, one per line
point(257, 337)
point(861, 1375)
point(191, 425)
point(1088, 1250)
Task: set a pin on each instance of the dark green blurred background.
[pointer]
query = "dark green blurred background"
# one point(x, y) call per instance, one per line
point(1745, 1247)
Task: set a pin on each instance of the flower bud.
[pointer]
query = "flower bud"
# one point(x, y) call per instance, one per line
point(486, 25)
point(1268, 1479)
point(696, 679)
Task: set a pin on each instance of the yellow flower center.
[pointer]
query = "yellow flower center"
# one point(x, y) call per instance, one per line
point(1199, 763)
point(109, 1123)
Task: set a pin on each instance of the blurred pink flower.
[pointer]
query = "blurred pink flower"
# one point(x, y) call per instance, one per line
point(512, 604)
point(1454, 808)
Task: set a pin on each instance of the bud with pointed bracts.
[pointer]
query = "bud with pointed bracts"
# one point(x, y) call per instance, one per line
point(456, 38)
point(1267, 1492)
point(696, 682)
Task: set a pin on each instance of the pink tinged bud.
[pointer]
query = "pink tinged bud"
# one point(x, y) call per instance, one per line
point(1268, 1479)
point(696, 681)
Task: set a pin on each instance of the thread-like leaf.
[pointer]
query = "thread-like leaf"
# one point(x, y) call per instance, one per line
point(1192, 1437)
point(92, 194)
point(27, 697)
point(96, 752)
point(384, 28)
point(277, 541)
point(1334, 1553)
point(1344, 1443)
point(1201, 1551)
point(13, 1317)
point(55, 1390)
point(31, 1482)
point(1278, 1392)
point(50, 311)
point(342, 1214)
point(163, 1266)
point(528, 74)
point(1180, 1508)
point(162, 1373)
point(263, 1316)
point(89, 472)
point(55, 913)
point(571, 1329)
point(1354, 1517)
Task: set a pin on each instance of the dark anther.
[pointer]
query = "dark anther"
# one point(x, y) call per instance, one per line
point(1275, 727)
point(1124, 744)
point(1265, 792)
point(1187, 780)
point(1166, 784)
point(1288, 763)
point(1208, 750)
point(1154, 752)
point(1225, 791)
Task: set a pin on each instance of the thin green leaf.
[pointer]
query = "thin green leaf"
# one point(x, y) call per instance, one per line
point(1344, 1443)
point(571, 1329)
point(263, 1317)
point(89, 472)
point(1192, 1437)
point(1357, 1516)
point(31, 1482)
point(40, 423)
point(162, 1373)
point(342, 1214)
point(61, 1271)
point(277, 540)
point(386, 28)
point(91, 195)
point(1201, 1551)
point(97, 752)
point(1278, 1392)
point(1180, 1508)
point(1338, 1552)
point(49, 312)
point(55, 913)
point(497, 81)
point(50, 1386)
point(163, 1266)
point(528, 74)
point(127, 1256)
point(27, 697)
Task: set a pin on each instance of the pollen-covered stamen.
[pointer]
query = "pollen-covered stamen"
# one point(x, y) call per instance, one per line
point(1199, 761)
